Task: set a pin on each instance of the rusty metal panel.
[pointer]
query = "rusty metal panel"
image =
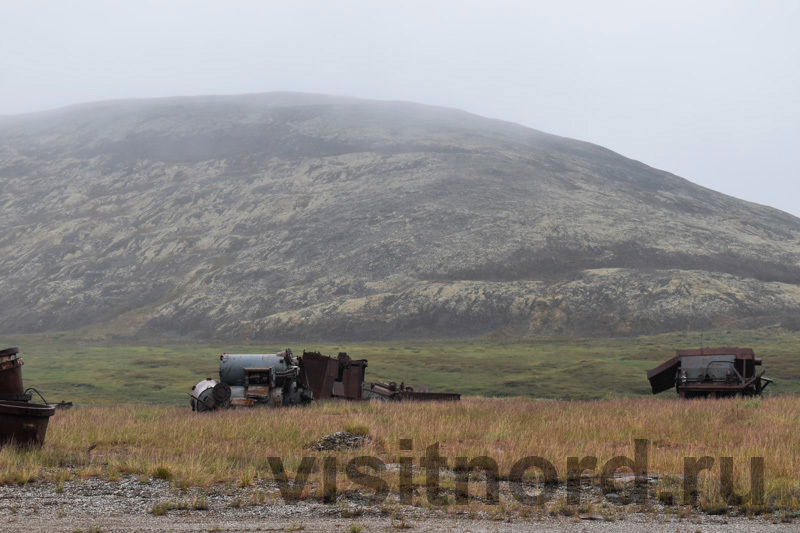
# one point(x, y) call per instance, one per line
point(7, 363)
point(353, 380)
point(411, 396)
point(344, 359)
point(257, 391)
point(712, 386)
point(663, 376)
point(740, 353)
point(321, 372)
point(8, 352)
point(708, 368)
point(328, 377)
point(242, 402)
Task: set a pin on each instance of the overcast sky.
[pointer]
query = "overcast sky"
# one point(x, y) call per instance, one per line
point(707, 90)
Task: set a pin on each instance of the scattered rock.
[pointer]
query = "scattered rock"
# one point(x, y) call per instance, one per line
point(341, 440)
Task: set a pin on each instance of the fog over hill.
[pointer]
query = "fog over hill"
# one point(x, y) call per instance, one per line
point(296, 216)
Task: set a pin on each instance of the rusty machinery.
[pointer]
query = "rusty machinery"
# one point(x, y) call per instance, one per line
point(272, 379)
point(282, 379)
point(334, 378)
point(391, 391)
point(21, 422)
point(710, 373)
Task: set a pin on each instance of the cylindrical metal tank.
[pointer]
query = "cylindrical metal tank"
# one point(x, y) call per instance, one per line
point(265, 379)
point(232, 365)
point(10, 374)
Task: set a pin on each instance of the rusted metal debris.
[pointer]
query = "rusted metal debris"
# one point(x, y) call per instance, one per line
point(334, 378)
point(710, 373)
point(21, 422)
point(24, 423)
point(282, 379)
point(400, 393)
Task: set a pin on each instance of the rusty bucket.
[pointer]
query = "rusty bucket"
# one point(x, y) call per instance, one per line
point(24, 424)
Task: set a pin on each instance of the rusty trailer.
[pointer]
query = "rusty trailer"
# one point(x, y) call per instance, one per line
point(710, 373)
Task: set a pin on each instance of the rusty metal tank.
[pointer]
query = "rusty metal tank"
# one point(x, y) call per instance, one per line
point(11, 387)
point(23, 423)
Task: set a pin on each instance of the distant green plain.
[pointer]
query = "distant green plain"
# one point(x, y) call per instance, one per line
point(85, 370)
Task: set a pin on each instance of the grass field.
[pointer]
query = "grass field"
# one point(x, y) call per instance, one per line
point(234, 447)
point(92, 370)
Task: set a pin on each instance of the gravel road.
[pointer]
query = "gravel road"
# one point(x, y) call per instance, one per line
point(95, 505)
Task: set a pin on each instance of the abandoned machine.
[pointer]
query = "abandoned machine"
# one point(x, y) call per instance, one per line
point(22, 422)
point(281, 379)
point(272, 379)
point(710, 373)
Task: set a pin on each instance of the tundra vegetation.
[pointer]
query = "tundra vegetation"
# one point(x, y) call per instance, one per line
point(234, 447)
point(90, 369)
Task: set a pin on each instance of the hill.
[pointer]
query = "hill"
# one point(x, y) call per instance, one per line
point(298, 216)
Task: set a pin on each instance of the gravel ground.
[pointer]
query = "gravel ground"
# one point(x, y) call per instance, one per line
point(127, 505)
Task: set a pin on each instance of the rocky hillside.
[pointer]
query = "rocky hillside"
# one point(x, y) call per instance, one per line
point(285, 216)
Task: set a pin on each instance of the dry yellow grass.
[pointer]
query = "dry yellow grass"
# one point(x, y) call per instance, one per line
point(233, 447)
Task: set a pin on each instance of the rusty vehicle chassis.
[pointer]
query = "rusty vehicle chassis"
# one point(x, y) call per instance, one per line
point(710, 373)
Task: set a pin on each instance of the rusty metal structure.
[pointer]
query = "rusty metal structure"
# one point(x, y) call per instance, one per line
point(710, 373)
point(21, 422)
point(333, 378)
point(391, 391)
point(248, 380)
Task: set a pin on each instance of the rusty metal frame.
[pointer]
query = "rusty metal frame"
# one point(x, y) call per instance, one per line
point(666, 375)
